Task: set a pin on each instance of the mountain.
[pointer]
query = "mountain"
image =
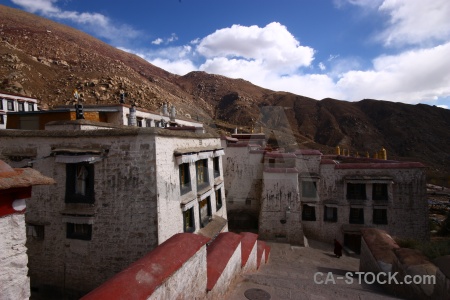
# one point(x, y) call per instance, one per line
point(47, 60)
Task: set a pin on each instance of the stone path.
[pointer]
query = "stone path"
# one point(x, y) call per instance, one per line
point(289, 274)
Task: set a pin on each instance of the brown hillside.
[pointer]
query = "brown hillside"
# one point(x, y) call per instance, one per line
point(47, 60)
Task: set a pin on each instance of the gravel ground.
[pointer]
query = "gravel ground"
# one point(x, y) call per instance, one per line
point(289, 274)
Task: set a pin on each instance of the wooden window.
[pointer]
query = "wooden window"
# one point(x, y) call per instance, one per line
point(1, 104)
point(36, 232)
point(21, 106)
point(380, 216)
point(218, 199)
point(201, 167)
point(205, 211)
point(148, 123)
point(80, 183)
point(188, 220)
point(185, 178)
point(308, 213)
point(10, 105)
point(271, 162)
point(139, 122)
point(330, 214)
point(216, 166)
point(309, 189)
point(2, 119)
point(356, 216)
point(356, 191)
point(380, 191)
point(30, 106)
point(79, 231)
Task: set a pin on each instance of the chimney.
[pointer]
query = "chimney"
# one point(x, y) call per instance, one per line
point(132, 121)
point(164, 110)
point(172, 113)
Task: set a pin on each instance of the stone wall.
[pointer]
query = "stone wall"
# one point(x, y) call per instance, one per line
point(380, 253)
point(243, 172)
point(15, 284)
point(280, 208)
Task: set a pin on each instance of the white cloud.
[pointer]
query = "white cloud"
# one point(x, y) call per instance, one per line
point(273, 46)
point(411, 77)
point(157, 41)
point(443, 106)
point(411, 22)
point(92, 22)
point(322, 66)
point(180, 67)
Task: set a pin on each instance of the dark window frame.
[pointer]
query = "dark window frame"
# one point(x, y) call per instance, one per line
point(309, 189)
point(30, 106)
point(38, 229)
point(326, 217)
point(356, 191)
point(20, 106)
point(219, 201)
point(380, 192)
point(2, 119)
point(204, 220)
point(216, 166)
point(201, 172)
point(308, 213)
point(79, 231)
point(189, 220)
point(72, 196)
point(1, 104)
point(185, 178)
point(379, 216)
point(356, 216)
point(10, 105)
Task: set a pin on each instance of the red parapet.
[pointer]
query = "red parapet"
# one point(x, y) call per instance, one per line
point(219, 254)
point(142, 278)
point(247, 243)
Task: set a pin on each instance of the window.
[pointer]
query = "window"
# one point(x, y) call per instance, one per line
point(216, 166)
point(80, 183)
point(380, 216)
point(218, 199)
point(188, 220)
point(356, 216)
point(139, 122)
point(356, 191)
point(2, 119)
point(21, 106)
point(202, 172)
point(148, 123)
point(1, 104)
point(205, 211)
point(380, 191)
point(30, 106)
point(271, 162)
point(79, 231)
point(37, 232)
point(185, 178)
point(330, 214)
point(10, 105)
point(308, 213)
point(309, 189)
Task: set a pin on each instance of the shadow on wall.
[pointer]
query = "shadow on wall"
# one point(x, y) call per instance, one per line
point(242, 220)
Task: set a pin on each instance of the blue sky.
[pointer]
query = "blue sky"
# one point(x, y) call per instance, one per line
point(396, 50)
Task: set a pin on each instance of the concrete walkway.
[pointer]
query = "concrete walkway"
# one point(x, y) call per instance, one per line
point(289, 274)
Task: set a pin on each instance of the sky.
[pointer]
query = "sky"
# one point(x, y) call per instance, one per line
point(395, 50)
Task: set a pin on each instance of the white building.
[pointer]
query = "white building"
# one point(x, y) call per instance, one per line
point(120, 191)
point(15, 103)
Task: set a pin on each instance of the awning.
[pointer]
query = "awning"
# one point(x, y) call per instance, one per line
point(204, 155)
point(73, 159)
point(187, 158)
point(219, 153)
point(78, 220)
